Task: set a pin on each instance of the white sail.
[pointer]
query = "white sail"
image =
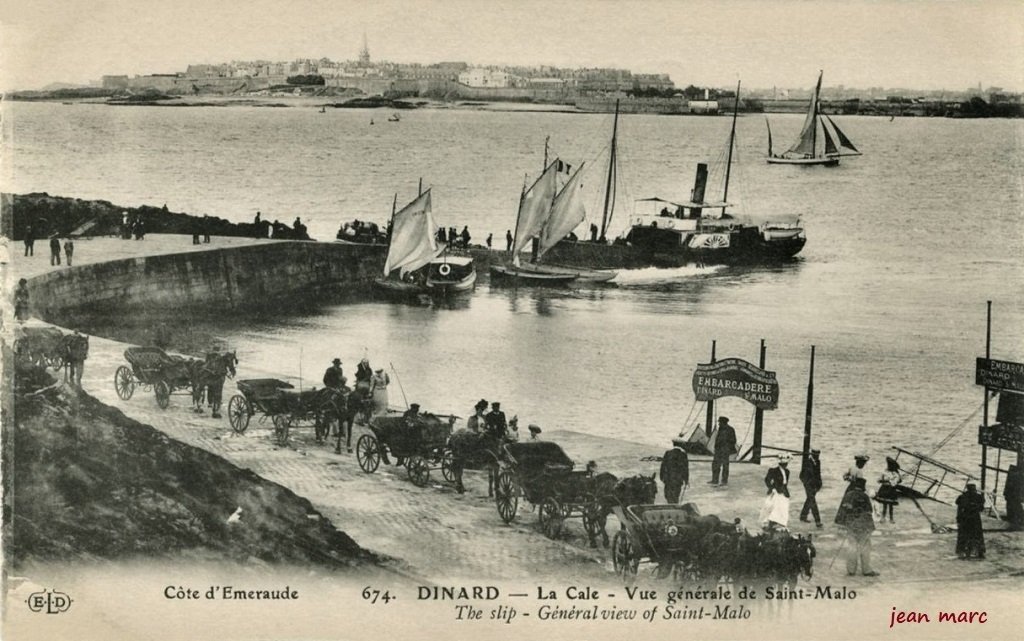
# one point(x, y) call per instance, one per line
point(567, 213)
point(412, 237)
point(534, 208)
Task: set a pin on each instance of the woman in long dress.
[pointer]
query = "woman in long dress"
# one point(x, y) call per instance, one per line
point(379, 388)
point(887, 493)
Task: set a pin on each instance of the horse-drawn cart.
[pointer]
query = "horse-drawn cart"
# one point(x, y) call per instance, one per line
point(543, 474)
point(680, 543)
point(274, 399)
point(422, 442)
point(42, 346)
point(152, 367)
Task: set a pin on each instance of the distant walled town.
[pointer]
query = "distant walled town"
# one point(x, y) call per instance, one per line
point(588, 89)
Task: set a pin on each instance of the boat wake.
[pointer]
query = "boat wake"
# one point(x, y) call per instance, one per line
point(655, 275)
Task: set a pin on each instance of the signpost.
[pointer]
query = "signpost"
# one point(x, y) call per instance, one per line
point(1005, 437)
point(736, 377)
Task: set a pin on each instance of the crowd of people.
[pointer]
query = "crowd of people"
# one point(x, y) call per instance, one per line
point(856, 512)
point(132, 226)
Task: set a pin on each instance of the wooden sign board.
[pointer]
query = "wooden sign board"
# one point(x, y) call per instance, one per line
point(736, 377)
point(1000, 375)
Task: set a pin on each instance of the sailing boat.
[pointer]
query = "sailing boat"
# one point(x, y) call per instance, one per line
point(415, 264)
point(673, 234)
point(805, 151)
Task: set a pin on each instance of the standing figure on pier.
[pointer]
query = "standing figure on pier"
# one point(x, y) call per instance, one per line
point(810, 476)
point(334, 377)
point(21, 301)
point(490, 240)
point(855, 515)
point(465, 236)
point(725, 447)
point(675, 471)
point(497, 425)
point(478, 421)
point(1013, 492)
point(508, 240)
point(54, 251)
point(30, 240)
point(775, 511)
point(856, 471)
point(887, 493)
point(69, 250)
point(970, 539)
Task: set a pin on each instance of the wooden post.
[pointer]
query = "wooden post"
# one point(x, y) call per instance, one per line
point(984, 419)
point(758, 418)
point(708, 426)
point(810, 407)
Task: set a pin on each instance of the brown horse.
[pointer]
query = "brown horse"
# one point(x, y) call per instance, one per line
point(611, 492)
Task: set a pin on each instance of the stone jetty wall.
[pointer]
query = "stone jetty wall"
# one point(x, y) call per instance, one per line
point(231, 278)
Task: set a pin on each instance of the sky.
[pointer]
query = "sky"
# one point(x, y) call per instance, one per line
point(923, 44)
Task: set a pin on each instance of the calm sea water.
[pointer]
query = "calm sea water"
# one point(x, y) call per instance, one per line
point(905, 245)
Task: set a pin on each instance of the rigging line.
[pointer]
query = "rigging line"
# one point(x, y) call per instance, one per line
point(957, 430)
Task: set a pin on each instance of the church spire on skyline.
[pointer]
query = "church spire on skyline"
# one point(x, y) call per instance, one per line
point(364, 53)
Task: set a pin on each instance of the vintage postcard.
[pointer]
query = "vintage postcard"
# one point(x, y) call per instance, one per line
point(569, 319)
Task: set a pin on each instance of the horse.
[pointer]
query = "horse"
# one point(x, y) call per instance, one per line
point(474, 450)
point(348, 404)
point(74, 349)
point(207, 379)
point(611, 492)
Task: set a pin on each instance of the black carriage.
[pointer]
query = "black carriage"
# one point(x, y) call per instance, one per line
point(422, 442)
point(542, 473)
point(651, 533)
point(275, 400)
point(42, 346)
point(152, 367)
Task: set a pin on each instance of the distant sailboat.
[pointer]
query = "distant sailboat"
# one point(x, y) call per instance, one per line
point(806, 151)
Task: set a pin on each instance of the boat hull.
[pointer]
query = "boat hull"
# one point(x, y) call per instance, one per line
point(738, 246)
point(520, 275)
point(823, 161)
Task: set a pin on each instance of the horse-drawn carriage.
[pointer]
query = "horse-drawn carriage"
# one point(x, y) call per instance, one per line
point(275, 400)
point(42, 346)
point(543, 474)
point(682, 544)
point(151, 367)
point(421, 442)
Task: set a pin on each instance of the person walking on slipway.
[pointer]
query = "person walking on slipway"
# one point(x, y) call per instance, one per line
point(855, 515)
point(379, 389)
point(675, 470)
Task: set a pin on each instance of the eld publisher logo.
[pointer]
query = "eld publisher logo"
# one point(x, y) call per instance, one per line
point(48, 602)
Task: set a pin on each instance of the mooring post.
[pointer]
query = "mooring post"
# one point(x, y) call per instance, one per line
point(709, 420)
point(758, 418)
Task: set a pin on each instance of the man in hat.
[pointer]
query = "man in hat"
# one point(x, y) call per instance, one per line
point(725, 447)
point(534, 432)
point(775, 512)
point(495, 421)
point(855, 515)
point(478, 420)
point(810, 476)
point(856, 471)
point(333, 375)
point(675, 470)
point(970, 539)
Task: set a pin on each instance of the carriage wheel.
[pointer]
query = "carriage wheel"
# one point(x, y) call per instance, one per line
point(419, 471)
point(238, 413)
point(368, 453)
point(448, 466)
point(625, 556)
point(163, 394)
point(124, 383)
point(551, 517)
point(282, 424)
point(506, 496)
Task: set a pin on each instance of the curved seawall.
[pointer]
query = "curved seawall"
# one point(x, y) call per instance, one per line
point(228, 278)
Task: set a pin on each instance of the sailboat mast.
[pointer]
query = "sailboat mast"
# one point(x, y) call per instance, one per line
point(732, 141)
point(817, 110)
point(519, 213)
point(546, 139)
point(610, 183)
point(391, 227)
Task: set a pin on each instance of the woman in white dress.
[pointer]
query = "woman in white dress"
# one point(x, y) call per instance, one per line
point(379, 389)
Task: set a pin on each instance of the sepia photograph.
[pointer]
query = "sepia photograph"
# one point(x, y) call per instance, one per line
point(564, 319)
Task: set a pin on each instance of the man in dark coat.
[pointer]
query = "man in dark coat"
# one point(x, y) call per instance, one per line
point(970, 538)
point(334, 375)
point(54, 251)
point(30, 240)
point(495, 422)
point(675, 470)
point(810, 476)
point(1013, 492)
point(508, 240)
point(855, 515)
point(725, 447)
